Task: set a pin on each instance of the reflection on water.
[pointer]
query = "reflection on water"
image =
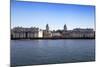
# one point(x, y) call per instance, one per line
point(32, 52)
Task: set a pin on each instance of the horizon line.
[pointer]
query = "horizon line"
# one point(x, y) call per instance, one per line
point(53, 29)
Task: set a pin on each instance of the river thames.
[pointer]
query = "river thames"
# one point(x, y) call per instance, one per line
point(34, 52)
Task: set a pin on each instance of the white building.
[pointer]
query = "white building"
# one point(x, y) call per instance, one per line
point(56, 34)
point(40, 33)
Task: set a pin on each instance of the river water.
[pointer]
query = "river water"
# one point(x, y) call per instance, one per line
point(34, 52)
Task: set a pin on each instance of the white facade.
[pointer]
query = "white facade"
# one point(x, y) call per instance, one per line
point(56, 34)
point(40, 33)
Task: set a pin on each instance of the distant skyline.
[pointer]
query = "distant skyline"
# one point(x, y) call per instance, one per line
point(36, 14)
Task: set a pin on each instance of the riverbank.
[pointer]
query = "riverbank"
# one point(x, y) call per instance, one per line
point(54, 38)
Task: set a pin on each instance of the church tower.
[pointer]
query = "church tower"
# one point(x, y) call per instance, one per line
point(47, 28)
point(65, 27)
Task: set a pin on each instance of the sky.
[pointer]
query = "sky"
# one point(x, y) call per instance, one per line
point(37, 14)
